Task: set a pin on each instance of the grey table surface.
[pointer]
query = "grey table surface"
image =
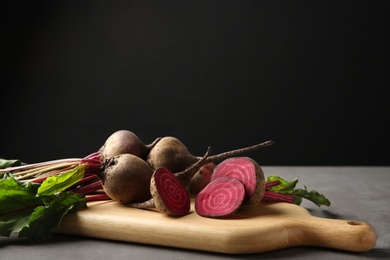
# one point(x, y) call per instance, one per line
point(356, 193)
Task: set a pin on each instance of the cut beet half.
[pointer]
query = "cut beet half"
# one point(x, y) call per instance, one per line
point(170, 196)
point(220, 198)
point(248, 172)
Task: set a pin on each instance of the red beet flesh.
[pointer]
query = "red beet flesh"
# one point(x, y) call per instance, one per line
point(221, 197)
point(171, 193)
point(248, 172)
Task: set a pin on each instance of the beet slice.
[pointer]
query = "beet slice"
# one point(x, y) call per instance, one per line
point(248, 172)
point(220, 198)
point(169, 194)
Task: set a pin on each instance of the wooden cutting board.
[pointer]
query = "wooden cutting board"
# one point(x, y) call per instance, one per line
point(269, 226)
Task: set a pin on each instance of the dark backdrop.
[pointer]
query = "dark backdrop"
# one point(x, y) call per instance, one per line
point(311, 75)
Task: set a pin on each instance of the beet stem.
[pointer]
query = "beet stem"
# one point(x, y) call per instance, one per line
point(97, 197)
point(92, 160)
point(271, 196)
point(54, 167)
point(41, 164)
point(84, 181)
point(190, 171)
point(89, 188)
point(225, 155)
point(270, 184)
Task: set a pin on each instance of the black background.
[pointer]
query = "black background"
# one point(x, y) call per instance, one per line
point(311, 75)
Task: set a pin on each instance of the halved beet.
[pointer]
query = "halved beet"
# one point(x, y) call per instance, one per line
point(221, 197)
point(170, 196)
point(248, 172)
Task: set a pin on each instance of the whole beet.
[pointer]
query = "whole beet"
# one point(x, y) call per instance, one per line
point(170, 153)
point(125, 141)
point(126, 178)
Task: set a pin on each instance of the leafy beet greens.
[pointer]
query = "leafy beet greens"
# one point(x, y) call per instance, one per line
point(32, 210)
point(282, 187)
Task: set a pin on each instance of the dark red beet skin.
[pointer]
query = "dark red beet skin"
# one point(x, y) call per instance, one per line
point(171, 192)
point(221, 197)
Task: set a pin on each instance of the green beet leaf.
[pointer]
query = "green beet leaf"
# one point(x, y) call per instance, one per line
point(16, 196)
point(45, 218)
point(33, 210)
point(313, 196)
point(14, 222)
point(9, 163)
point(56, 184)
point(17, 200)
point(284, 186)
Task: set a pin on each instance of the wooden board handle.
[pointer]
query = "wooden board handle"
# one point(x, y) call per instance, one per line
point(338, 234)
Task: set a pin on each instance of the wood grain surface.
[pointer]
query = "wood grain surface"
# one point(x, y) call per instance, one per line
point(268, 227)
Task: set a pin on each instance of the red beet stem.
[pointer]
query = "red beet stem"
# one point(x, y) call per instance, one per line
point(88, 188)
point(41, 164)
point(92, 160)
point(271, 196)
point(270, 184)
point(97, 197)
point(38, 172)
